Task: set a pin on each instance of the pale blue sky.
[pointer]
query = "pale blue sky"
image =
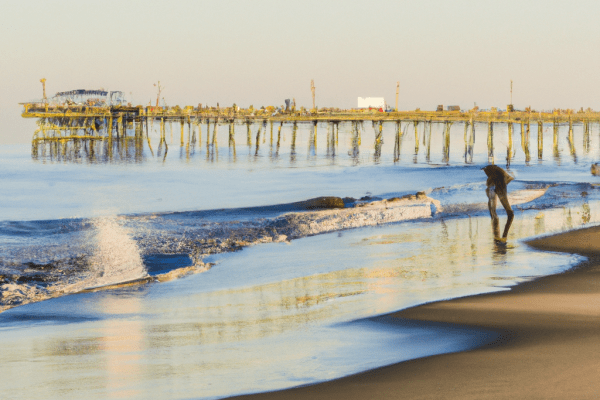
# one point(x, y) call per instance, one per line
point(261, 52)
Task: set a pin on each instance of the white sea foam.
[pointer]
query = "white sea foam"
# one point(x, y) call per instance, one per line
point(117, 256)
point(301, 224)
point(13, 294)
point(514, 198)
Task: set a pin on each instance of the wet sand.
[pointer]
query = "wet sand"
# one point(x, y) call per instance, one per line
point(548, 347)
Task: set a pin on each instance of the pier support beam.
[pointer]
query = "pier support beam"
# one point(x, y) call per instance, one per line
point(586, 136)
point(540, 140)
point(231, 134)
point(571, 141)
point(207, 133)
point(446, 148)
point(119, 124)
point(315, 137)
point(525, 141)
point(215, 144)
point(162, 140)
point(109, 128)
point(278, 139)
point(248, 134)
point(189, 124)
point(398, 141)
point(124, 125)
point(232, 139)
point(570, 128)
point(471, 140)
point(312, 140)
point(465, 138)
point(148, 136)
point(199, 123)
point(378, 142)
point(509, 149)
point(331, 138)
point(427, 133)
point(182, 121)
point(490, 142)
point(555, 141)
point(416, 124)
point(355, 141)
point(258, 139)
point(293, 146)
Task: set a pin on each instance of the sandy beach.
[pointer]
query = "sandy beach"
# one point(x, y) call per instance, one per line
point(548, 343)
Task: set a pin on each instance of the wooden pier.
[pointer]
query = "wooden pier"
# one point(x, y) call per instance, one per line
point(91, 123)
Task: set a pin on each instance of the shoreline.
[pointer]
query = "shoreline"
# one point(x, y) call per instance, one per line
point(549, 338)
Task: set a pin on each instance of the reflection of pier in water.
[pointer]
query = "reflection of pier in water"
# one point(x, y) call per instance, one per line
point(120, 150)
point(124, 138)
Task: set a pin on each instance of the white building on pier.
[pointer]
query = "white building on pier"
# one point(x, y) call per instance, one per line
point(371, 102)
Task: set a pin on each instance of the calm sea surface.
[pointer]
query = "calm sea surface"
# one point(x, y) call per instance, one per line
point(237, 298)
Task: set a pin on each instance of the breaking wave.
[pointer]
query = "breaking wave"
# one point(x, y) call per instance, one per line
point(117, 257)
point(76, 255)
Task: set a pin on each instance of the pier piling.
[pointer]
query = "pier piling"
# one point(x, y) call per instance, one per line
point(509, 149)
point(79, 123)
point(490, 142)
point(416, 123)
point(540, 140)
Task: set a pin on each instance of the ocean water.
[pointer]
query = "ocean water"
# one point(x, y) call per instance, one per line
point(152, 269)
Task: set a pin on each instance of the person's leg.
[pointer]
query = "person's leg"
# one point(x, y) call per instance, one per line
point(491, 194)
point(511, 215)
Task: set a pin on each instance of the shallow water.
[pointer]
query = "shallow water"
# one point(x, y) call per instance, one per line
point(272, 315)
point(257, 310)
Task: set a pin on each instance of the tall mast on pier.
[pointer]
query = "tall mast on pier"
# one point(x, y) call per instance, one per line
point(312, 89)
point(43, 80)
point(160, 88)
point(397, 92)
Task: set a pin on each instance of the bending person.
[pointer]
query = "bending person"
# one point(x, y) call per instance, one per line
point(496, 186)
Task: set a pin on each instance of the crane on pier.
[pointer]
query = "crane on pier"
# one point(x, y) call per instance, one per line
point(43, 80)
point(510, 107)
point(160, 88)
point(397, 92)
point(312, 89)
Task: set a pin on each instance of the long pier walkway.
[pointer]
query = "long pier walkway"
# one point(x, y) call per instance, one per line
point(89, 123)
